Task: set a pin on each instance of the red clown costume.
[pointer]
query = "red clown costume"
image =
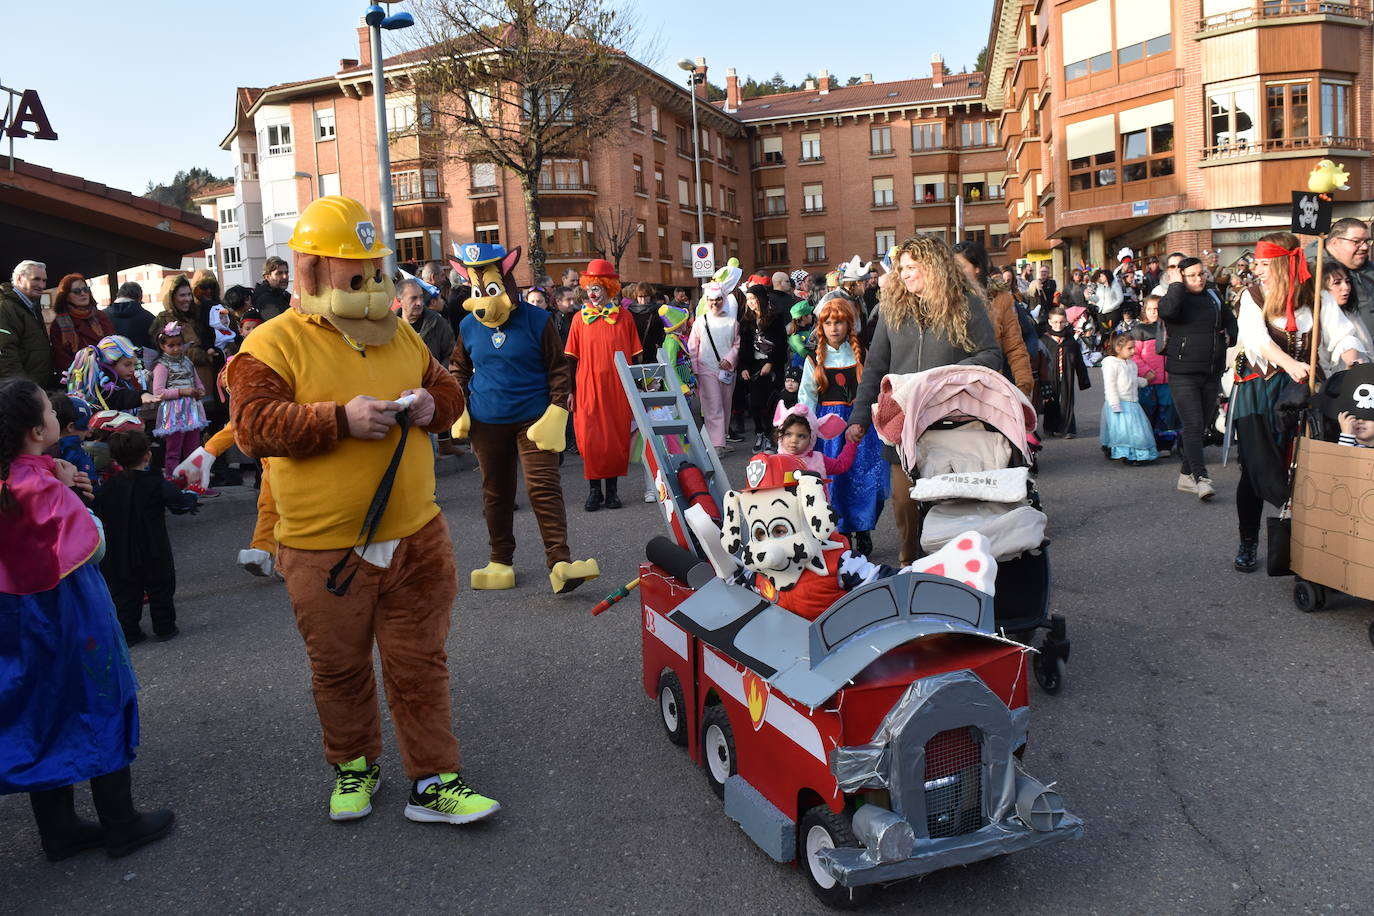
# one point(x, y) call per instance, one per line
point(601, 415)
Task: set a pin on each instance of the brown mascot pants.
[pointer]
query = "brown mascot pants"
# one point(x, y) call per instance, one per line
point(496, 446)
point(405, 609)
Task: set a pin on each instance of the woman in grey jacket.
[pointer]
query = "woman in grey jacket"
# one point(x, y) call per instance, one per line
point(928, 316)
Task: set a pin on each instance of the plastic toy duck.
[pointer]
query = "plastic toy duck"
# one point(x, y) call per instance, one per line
point(1328, 177)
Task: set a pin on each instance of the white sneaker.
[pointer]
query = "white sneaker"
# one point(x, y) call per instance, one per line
point(1204, 488)
point(257, 562)
point(1186, 484)
point(650, 496)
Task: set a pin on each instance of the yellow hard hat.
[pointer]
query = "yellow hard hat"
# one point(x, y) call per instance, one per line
point(337, 227)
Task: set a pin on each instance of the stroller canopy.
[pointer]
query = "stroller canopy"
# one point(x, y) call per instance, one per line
point(909, 404)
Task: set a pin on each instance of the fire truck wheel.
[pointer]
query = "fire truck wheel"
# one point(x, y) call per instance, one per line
point(672, 707)
point(718, 748)
point(821, 829)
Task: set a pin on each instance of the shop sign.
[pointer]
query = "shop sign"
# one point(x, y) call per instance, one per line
point(25, 117)
point(1246, 219)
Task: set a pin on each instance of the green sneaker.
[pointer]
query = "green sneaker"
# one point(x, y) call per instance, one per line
point(354, 785)
point(451, 801)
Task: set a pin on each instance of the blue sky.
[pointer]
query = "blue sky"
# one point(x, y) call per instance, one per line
point(142, 89)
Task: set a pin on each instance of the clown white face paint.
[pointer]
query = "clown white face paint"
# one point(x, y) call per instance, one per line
point(596, 294)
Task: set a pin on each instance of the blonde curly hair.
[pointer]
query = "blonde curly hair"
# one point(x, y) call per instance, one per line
point(944, 304)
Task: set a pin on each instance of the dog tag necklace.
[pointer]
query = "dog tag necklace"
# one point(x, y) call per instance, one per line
point(498, 339)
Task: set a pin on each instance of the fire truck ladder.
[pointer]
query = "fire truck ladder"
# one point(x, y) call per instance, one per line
point(649, 387)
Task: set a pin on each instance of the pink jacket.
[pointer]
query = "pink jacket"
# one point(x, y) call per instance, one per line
point(1146, 359)
point(703, 356)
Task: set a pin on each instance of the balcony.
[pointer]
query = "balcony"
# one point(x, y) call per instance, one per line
point(770, 161)
point(811, 160)
point(659, 135)
point(772, 213)
point(641, 190)
point(1264, 12)
point(566, 187)
point(811, 211)
point(1244, 150)
point(484, 190)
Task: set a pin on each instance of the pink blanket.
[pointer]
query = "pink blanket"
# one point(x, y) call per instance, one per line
point(909, 404)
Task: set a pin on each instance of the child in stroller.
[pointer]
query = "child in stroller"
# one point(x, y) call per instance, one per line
point(960, 433)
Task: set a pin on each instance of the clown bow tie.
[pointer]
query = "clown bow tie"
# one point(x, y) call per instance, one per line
point(592, 312)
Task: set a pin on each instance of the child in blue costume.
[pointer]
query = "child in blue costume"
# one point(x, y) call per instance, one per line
point(859, 493)
point(74, 421)
point(68, 704)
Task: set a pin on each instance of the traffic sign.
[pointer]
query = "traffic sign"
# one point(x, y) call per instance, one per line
point(703, 259)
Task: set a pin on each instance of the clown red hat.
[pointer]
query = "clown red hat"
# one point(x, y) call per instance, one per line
point(772, 472)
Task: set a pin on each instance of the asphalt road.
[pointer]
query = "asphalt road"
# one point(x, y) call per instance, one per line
point(1215, 740)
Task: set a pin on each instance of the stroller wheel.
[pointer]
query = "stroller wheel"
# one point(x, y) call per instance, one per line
point(1049, 673)
point(1308, 596)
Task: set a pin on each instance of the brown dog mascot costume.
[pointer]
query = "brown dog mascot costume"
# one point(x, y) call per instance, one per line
point(316, 389)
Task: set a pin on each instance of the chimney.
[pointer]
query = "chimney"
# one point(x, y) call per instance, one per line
point(825, 82)
point(937, 70)
point(867, 80)
point(809, 86)
point(731, 90)
point(347, 62)
point(364, 42)
point(700, 88)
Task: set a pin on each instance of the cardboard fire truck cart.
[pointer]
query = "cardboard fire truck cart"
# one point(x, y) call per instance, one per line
point(879, 742)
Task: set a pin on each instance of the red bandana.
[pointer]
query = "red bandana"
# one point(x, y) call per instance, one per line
point(1297, 273)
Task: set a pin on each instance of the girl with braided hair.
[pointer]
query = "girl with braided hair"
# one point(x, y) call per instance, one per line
point(68, 703)
point(830, 381)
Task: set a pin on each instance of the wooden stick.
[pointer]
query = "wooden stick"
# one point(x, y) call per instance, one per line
point(1316, 338)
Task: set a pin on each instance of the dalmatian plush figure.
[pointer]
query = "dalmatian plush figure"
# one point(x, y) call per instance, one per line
point(781, 528)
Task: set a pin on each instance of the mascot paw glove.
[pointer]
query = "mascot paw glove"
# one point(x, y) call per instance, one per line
point(549, 432)
point(196, 468)
point(461, 426)
point(967, 558)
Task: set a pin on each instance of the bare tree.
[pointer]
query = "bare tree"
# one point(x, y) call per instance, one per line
point(615, 228)
point(520, 82)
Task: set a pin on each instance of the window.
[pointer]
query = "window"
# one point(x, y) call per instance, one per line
point(686, 250)
point(994, 185)
point(884, 240)
point(810, 147)
point(882, 192)
point(774, 201)
point(927, 136)
point(731, 204)
point(978, 133)
point(634, 111)
point(707, 194)
point(1091, 148)
point(997, 235)
point(660, 187)
point(324, 124)
point(879, 140)
point(250, 166)
point(1335, 110)
point(278, 139)
point(429, 179)
point(411, 248)
point(653, 118)
point(210, 260)
point(974, 187)
point(1147, 141)
point(683, 147)
point(774, 251)
point(228, 218)
point(813, 201)
point(483, 176)
point(638, 168)
point(1087, 40)
point(771, 148)
point(565, 237)
point(489, 234)
point(329, 184)
point(565, 175)
point(233, 259)
point(643, 240)
point(426, 114)
point(684, 192)
point(400, 114)
point(405, 185)
point(1234, 119)
point(549, 105)
point(1286, 111)
point(815, 249)
point(1142, 29)
point(479, 104)
point(929, 189)
point(705, 142)
point(283, 195)
point(939, 232)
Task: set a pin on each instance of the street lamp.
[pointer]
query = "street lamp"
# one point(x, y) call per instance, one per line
point(377, 19)
point(694, 79)
point(311, 177)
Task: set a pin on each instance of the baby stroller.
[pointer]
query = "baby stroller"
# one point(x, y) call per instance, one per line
point(960, 433)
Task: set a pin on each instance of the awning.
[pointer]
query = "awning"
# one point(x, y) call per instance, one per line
point(77, 226)
point(1039, 256)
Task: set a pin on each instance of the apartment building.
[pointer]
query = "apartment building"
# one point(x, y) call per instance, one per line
point(839, 171)
point(1174, 124)
point(297, 140)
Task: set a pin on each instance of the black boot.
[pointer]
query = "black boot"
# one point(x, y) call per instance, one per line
point(594, 497)
point(612, 497)
point(63, 833)
point(125, 828)
point(1246, 561)
point(863, 543)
